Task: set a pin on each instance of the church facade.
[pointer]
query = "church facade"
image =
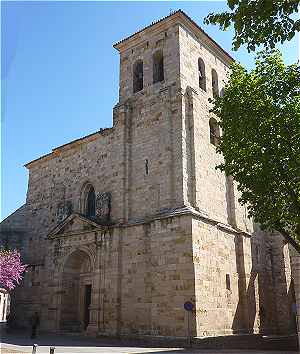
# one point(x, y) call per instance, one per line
point(122, 227)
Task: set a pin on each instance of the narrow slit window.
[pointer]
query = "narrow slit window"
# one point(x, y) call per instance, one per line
point(228, 285)
point(147, 167)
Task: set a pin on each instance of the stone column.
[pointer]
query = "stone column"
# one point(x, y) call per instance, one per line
point(95, 307)
point(242, 322)
point(54, 286)
point(190, 158)
point(169, 144)
point(124, 113)
point(2, 295)
point(5, 307)
point(57, 300)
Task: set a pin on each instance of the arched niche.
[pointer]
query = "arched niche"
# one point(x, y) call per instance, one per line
point(88, 200)
point(76, 291)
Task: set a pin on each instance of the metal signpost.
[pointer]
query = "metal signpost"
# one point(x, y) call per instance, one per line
point(189, 307)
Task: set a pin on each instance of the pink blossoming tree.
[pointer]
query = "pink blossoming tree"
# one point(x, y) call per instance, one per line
point(11, 269)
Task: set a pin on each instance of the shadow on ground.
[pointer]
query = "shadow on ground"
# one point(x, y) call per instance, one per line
point(83, 344)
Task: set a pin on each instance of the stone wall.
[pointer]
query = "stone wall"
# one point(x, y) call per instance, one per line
point(271, 257)
point(192, 47)
point(295, 268)
point(205, 187)
point(226, 288)
point(13, 229)
point(243, 286)
point(158, 277)
point(142, 275)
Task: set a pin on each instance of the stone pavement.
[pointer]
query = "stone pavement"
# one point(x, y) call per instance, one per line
point(10, 351)
point(22, 344)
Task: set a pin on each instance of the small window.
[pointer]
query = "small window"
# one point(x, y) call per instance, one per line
point(158, 66)
point(228, 285)
point(138, 79)
point(201, 74)
point(215, 83)
point(214, 132)
point(91, 203)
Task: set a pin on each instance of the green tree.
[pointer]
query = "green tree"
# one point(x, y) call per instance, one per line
point(260, 120)
point(258, 22)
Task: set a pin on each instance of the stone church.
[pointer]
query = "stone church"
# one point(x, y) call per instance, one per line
point(123, 226)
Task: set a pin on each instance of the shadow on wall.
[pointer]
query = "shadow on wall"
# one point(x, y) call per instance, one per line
point(292, 301)
point(265, 303)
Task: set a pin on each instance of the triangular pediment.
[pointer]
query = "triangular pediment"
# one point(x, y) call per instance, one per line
point(73, 224)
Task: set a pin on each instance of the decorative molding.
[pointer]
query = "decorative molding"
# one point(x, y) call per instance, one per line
point(64, 209)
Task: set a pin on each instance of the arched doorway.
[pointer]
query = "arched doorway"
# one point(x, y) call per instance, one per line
point(76, 292)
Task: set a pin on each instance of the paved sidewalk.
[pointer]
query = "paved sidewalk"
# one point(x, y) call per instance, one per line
point(10, 351)
point(21, 344)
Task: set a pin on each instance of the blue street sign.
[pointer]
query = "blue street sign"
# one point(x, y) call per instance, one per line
point(188, 306)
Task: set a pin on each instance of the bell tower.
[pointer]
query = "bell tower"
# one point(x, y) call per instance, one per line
point(168, 71)
point(149, 59)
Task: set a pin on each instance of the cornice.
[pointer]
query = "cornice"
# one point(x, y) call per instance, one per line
point(177, 17)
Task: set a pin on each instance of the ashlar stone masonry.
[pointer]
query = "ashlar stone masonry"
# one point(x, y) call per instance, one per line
point(123, 226)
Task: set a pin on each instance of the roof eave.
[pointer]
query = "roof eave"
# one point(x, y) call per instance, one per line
point(126, 42)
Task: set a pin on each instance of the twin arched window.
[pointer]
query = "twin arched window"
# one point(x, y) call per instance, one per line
point(138, 71)
point(214, 130)
point(202, 78)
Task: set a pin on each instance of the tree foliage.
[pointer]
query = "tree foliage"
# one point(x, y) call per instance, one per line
point(11, 269)
point(258, 22)
point(260, 120)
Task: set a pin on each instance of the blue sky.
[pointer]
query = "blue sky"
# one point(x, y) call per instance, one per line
point(59, 73)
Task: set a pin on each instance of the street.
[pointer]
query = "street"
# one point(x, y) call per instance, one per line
point(21, 343)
